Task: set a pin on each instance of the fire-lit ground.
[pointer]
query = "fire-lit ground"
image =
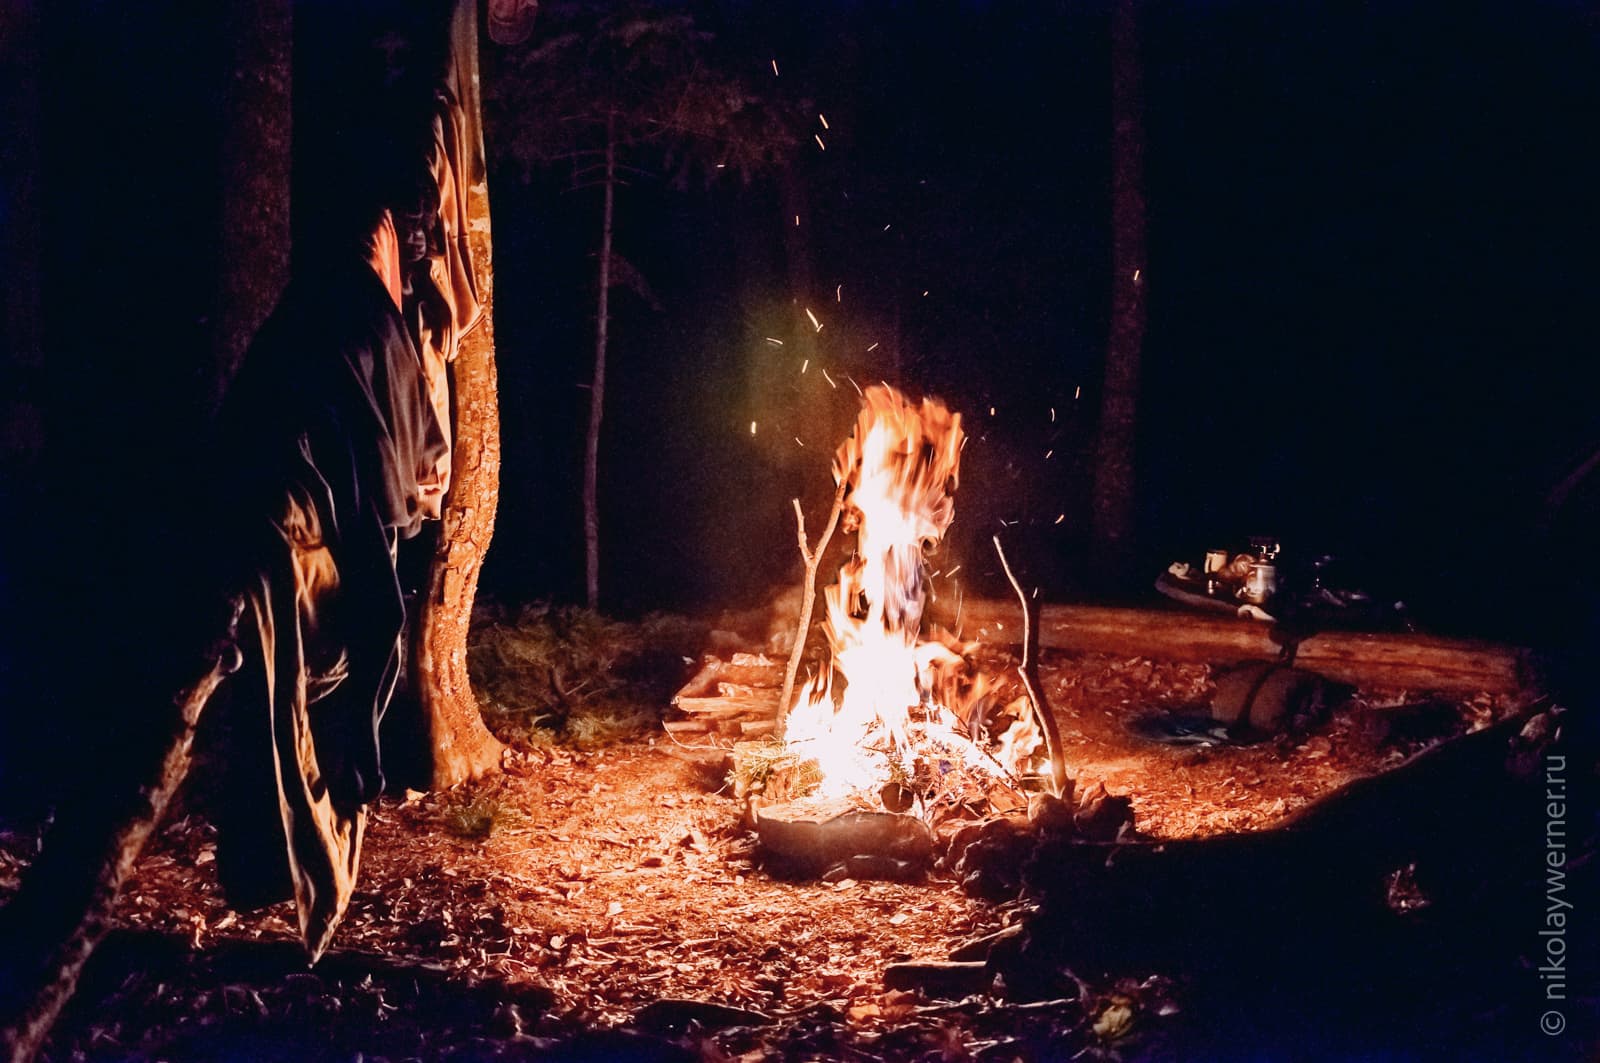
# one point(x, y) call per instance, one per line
point(616, 877)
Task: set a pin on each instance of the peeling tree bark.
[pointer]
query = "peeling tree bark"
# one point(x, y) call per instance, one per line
point(462, 747)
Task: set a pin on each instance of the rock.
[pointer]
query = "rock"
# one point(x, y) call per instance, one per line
point(1003, 942)
point(811, 836)
point(956, 847)
point(991, 866)
point(1101, 815)
point(1051, 814)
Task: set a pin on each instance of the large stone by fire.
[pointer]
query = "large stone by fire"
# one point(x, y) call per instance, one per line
point(812, 836)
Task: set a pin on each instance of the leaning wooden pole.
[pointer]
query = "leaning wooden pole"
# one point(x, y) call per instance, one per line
point(50, 936)
point(1028, 671)
point(462, 747)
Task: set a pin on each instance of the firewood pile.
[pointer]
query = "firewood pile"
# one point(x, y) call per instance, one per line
point(728, 701)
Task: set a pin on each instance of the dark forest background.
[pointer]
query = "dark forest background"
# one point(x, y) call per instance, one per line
point(1371, 285)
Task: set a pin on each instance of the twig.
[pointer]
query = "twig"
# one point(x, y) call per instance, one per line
point(1029, 671)
point(808, 597)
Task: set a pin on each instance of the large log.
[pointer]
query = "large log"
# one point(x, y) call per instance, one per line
point(1463, 817)
point(1418, 662)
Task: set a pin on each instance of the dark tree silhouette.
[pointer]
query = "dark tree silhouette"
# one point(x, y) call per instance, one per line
point(1114, 481)
point(628, 92)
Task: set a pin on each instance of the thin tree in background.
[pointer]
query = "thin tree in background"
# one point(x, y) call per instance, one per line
point(1112, 516)
point(627, 92)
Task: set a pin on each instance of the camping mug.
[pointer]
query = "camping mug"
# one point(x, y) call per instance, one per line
point(1216, 561)
point(1261, 584)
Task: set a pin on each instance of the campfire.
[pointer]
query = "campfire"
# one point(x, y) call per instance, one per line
point(901, 732)
point(900, 716)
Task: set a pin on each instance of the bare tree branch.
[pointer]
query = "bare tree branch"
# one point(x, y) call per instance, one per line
point(1029, 671)
point(808, 596)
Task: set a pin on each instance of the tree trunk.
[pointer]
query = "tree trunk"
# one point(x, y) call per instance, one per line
point(253, 253)
point(462, 747)
point(597, 389)
point(1112, 517)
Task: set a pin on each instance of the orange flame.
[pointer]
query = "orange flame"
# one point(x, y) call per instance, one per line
point(886, 696)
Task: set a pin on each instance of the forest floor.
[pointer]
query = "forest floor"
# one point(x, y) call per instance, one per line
point(600, 899)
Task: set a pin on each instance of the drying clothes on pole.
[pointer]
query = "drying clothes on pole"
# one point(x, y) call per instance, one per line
point(442, 292)
point(329, 438)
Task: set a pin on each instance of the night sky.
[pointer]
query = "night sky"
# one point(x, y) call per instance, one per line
point(1371, 271)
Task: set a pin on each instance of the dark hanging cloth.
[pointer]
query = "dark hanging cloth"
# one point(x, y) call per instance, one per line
point(326, 436)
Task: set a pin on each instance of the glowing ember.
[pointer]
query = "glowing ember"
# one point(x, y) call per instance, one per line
point(892, 709)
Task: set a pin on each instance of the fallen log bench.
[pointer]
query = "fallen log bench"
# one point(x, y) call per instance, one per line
point(1365, 659)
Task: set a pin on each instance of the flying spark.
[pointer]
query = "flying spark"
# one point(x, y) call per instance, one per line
point(752, 428)
point(804, 366)
point(831, 384)
point(1052, 415)
point(774, 68)
point(814, 322)
point(824, 120)
point(838, 293)
point(820, 144)
point(953, 571)
point(991, 411)
point(872, 348)
point(1047, 454)
point(1076, 392)
point(798, 440)
point(1061, 518)
point(775, 341)
point(886, 228)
